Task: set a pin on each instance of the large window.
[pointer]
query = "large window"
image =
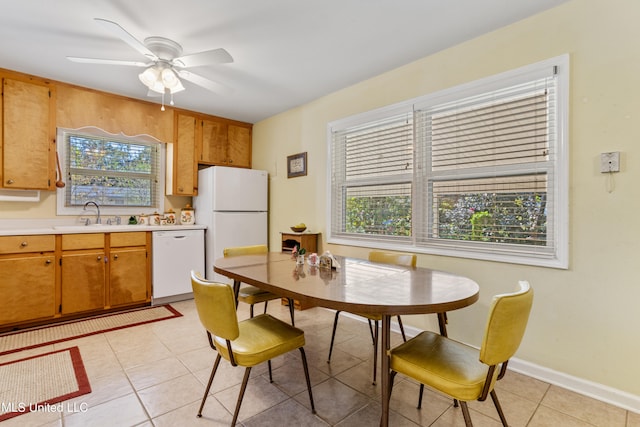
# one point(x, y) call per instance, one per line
point(122, 174)
point(476, 171)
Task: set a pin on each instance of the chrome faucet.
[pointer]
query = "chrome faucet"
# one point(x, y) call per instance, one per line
point(98, 220)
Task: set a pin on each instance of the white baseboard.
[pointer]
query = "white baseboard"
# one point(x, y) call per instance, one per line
point(603, 393)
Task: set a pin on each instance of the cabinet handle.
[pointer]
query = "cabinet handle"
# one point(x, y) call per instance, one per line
point(115, 256)
point(48, 262)
point(24, 244)
point(230, 161)
point(10, 181)
point(99, 258)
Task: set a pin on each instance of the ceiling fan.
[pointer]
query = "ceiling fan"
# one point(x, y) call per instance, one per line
point(165, 63)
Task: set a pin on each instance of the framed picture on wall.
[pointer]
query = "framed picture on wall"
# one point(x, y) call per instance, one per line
point(297, 165)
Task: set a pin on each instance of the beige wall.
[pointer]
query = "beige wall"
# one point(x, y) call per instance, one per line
point(586, 320)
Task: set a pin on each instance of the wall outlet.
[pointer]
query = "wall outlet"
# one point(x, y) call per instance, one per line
point(610, 162)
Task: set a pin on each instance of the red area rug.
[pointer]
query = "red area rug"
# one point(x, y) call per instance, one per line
point(42, 383)
point(32, 338)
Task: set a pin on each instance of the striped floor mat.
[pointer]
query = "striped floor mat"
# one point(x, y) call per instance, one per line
point(32, 338)
point(42, 383)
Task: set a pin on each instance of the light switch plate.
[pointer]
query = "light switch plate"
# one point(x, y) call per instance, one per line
point(610, 162)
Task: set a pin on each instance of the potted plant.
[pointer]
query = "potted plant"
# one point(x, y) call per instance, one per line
point(298, 254)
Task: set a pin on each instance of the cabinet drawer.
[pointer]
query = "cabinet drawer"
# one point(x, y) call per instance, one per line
point(25, 244)
point(82, 241)
point(135, 238)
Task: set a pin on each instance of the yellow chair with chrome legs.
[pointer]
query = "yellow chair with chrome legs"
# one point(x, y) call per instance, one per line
point(251, 294)
point(247, 343)
point(395, 258)
point(461, 371)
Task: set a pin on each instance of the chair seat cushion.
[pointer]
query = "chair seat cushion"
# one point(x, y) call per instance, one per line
point(261, 338)
point(255, 295)
point(376, 317)
point(444, 364)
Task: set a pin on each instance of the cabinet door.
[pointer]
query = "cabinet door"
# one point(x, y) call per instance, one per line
point(239, 146)
point(185, 169)
point(83, 281)
point(27, 147)
point(128, 276)
point(214, 142)
point(27, 288)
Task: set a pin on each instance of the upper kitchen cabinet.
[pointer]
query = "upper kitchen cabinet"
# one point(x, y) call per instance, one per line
point(225, 143)
point(182, 173)
point(27, 140)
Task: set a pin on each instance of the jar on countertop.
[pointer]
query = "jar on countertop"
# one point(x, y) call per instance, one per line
point(170, 216)
point(154, 219)
point(187, 215)
point(143, 219)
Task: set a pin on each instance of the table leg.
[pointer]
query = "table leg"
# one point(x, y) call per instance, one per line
point(442, 322)
point(384, 374)
point(236, 290)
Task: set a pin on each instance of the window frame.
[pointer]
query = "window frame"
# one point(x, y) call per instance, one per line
point(557, 223)
point(90, 131)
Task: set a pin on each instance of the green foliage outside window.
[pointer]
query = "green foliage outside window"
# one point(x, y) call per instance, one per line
point(500, 218)
point(113, 173)
point(385, 215)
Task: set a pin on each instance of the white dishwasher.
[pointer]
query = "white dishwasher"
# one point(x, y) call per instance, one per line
point(175, 254)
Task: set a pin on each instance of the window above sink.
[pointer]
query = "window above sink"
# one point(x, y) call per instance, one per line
point(123, 174)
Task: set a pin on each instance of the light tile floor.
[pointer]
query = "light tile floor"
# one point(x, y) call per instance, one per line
point(155, 374)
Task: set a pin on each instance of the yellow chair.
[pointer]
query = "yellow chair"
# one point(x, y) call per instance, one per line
point(246, 343)
point(252, 294)
point(461, 371)
point(395, 258)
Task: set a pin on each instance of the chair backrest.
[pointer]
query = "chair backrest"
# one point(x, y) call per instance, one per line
point(396, 258)
point(246, 250)
point(216, 308)
point(505, 327)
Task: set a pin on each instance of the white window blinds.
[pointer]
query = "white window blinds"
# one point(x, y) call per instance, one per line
point(489, 162)
point(111, 170)
point(478, 171)
point(373, 170)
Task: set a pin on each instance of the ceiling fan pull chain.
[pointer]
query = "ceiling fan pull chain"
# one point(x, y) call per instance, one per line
point(171, 103)
point(162, 109)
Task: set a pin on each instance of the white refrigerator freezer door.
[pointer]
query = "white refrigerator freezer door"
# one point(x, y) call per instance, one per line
point(237, 189)
point(233, 229)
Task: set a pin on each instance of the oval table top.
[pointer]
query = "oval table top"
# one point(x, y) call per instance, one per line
point(357, 286)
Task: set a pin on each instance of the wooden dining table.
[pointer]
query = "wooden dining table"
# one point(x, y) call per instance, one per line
point(357, 286)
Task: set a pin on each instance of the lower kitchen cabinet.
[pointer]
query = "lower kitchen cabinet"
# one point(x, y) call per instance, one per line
point(27, 288)
point(100, 271)
point(129, 268)
point(83, 272)
point(46, 278)
point(83, 281)
point(27, 279)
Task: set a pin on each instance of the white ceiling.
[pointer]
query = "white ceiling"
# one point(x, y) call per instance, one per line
point(286, 52)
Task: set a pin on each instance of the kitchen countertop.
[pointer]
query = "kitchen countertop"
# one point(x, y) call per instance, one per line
point(11, 227)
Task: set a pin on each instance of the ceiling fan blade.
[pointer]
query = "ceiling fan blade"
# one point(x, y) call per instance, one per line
point(121, 33)
point(107, 61)
point(214, 56)
point(204, 82)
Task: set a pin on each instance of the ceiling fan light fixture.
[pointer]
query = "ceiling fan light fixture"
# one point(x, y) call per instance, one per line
point(169, 78)
point(149, 77)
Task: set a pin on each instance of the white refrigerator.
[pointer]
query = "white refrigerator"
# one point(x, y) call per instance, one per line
point(232, 203)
